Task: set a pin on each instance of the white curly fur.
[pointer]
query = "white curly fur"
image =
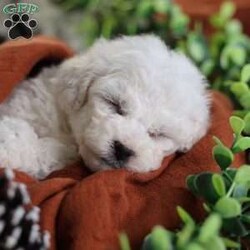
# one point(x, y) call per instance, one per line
point(67, 111)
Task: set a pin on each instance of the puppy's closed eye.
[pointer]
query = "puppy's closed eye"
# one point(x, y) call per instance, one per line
point(114, 104)
point(157, 135)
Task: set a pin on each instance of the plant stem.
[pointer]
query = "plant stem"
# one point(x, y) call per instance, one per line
point(231, 189)
point(228, 176)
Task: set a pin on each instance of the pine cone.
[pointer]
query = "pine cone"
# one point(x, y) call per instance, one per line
point(19, 228)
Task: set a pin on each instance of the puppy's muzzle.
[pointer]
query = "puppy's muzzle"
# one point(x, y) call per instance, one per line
point(120, 155)
point(121, 152)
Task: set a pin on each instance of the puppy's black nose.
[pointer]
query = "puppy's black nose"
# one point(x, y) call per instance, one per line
point(121, 152)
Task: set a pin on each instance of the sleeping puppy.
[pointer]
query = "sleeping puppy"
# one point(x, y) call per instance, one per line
point(125, 103)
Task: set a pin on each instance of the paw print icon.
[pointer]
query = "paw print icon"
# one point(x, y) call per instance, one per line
point(20, 26)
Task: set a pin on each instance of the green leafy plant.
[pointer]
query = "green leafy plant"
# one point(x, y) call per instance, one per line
point(220, 56)
point(190, 237)
point(111, 18)
point(241, 92)
point(227, 193)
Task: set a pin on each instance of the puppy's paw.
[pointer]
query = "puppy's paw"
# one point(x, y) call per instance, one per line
point(18, 145)
point(54, 155)
point(22, 149)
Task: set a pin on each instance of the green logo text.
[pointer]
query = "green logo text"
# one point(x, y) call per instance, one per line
point(20, 8)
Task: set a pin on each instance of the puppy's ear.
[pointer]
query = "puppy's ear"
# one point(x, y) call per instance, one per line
point(76, 75)
point(72, 82)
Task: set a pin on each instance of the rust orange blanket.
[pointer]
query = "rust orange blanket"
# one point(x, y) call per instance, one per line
point(87, 211)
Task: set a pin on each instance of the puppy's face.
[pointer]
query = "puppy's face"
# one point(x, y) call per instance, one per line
point(133, 111)
point(121, 126)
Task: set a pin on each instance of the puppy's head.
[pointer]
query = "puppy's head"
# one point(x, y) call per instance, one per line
point(132, 101)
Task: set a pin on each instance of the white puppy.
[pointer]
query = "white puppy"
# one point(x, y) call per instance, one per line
point(125, 103)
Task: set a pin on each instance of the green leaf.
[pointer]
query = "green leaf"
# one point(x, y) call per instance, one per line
point(237, 124)
point(243, 175)
point(207, 67)
point(217, 21)
point(241, 145)
point(245, 100)
point(238, 55)
point(230, 243)
point(144, 8)
point(90, 26)
point(161, 6)
point(240, 113)
point(205, 187)
point(228, 207)
point(196, 47)
point(239, 88)
point(160, 239)
point(225, 57)
point(210, 228)
point(214, 243)
point(184, 235)
point(147, 243)
point(185, 217)
point(245, 73)
point(194, 246)
point(234, 27)
point(124, 242)
point(219, 185)
point(191, 183)
point(107, 26)
point(206, 207)
point(223, 156)
point(227, 10)
point(179, 24)
point(217, 141)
